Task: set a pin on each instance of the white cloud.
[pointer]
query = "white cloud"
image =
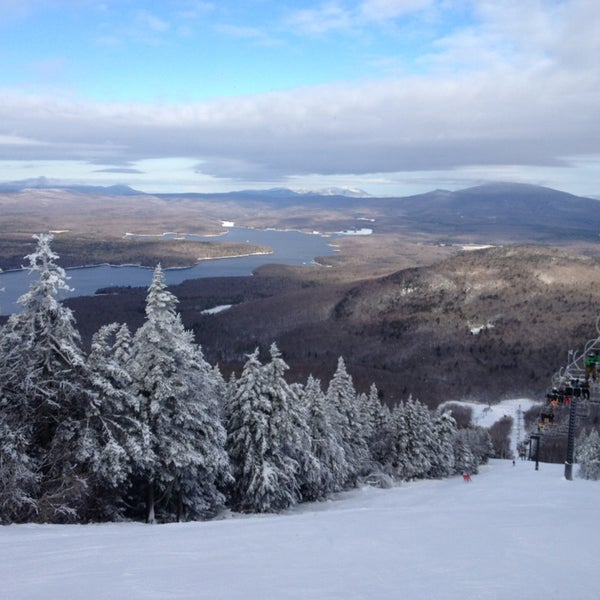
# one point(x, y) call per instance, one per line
point(348, 16)
point(148, 21)
point(500, 117)
point(379, 10)
point(330, 16)
point(516, 88)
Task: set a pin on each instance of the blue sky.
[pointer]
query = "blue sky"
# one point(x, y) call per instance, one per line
point(390, 96)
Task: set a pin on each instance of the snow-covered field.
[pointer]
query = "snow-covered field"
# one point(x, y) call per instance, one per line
point(485, 415)
point(513, 533)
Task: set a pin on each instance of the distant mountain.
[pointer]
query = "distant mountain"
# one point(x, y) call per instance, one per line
point(287, 193)
point(43, 183)
point(499, 211)
point(278, 193)
point(486, 324)
point(493, 212)
point(335, 191)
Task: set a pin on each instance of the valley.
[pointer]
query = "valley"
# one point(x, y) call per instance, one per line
point(408, 307)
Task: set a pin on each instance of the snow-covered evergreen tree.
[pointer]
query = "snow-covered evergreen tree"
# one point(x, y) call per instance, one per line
point(415, 440)
point(49, 389)
point(205, 485)
point(366, 417)
point(332, 470)
point(346, 418)
point(186, 461)
point(480, 443)
point(221, 389)
point(443, 450)
point(289, 428)
point(588, 455)
point(263, 482)
point(116, 433)
point(18, 476)
point(465, 460)
point(268, 439)
point(381, 445)
point(374, 418)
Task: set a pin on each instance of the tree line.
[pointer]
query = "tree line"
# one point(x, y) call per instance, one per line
point(143, 427)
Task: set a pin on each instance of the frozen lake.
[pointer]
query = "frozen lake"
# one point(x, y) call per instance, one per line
point(289, 247)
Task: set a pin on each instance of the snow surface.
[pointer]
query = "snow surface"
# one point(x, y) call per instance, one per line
point(513, 533)
point(215, 309)
point(350, 232)
point(485, 415)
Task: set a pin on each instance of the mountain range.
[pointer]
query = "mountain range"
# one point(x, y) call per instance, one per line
point(407, 307)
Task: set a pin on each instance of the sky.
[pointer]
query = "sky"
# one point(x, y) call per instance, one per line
point(389, 96)
point(513, 532)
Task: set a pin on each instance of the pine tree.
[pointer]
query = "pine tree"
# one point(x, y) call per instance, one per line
point(18, 477)
point(289, 430)
point(263, 480)
point(464, 459)
point(480, 444)
point(185, 456)
point(332, 470)
point(345, 415)
point(48, 390)
point(381, 445)
point(415, 443)
point(371, 408)
point(443, 445)
point(116, 433)
point(588, 456)
point(268, 439)
point(372, 418)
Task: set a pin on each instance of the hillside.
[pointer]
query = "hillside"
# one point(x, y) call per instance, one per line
point(505, 535)
point(501, 213)
point(406, 306)
point(93, 221)
point(485, 324)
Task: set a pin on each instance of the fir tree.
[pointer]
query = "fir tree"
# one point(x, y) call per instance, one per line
point(381, 445)
point(588, 456)
point(116, 433)
point(465, 460)
point(332, 470)
point(290, 432)
point(268, 439)
point(443, 445)
point(261, 482)
point(18, 477)
point(415, 442)
point(185, 456)
point(346, 418)
point(370, 407)
point(479, 442)
point(48, 390)
point(375, 423)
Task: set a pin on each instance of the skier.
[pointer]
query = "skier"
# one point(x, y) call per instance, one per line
point(590, 365)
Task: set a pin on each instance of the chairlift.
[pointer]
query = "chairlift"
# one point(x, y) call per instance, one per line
point(574, 376)
point(573, 383)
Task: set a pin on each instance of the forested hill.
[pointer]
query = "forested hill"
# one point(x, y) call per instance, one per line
point(89, 217)
point(399, 305)
point(484, 324)
point(143, 427)
point(502, 212)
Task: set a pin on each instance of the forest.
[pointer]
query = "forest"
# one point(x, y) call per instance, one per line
point(142, 427)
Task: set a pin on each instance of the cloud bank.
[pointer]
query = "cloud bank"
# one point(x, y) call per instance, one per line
point(516, 84)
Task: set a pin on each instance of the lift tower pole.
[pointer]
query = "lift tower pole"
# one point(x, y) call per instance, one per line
point(571, 440)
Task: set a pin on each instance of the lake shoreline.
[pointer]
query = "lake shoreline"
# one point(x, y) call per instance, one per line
point(140, 266)
point(285, 247)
